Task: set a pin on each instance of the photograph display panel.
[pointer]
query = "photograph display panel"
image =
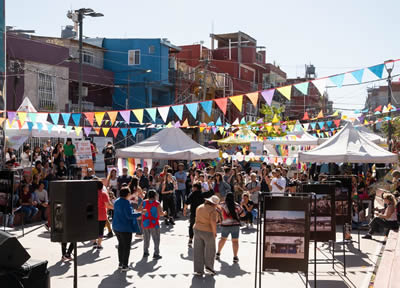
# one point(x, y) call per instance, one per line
point(286, 233)
point(342, 198)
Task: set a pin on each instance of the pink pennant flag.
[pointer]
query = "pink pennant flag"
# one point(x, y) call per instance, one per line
point(268, 95)
point(177, 124)
point(126, 114)
point(87, 130)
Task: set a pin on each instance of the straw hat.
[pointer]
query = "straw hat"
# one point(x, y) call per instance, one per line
point(213, 199)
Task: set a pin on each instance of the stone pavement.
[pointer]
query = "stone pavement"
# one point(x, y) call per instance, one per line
point(175, 269)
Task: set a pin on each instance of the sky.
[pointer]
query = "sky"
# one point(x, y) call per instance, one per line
point(335, 36)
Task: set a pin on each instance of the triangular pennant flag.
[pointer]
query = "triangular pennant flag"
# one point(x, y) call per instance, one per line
point(105, 131)
point(68, 129)
point(78, 130)
point(97, 130)
point(126, 115)
point(76, 117)
point(39, 126)
point(320, 84)
point(237, 101)
point(236, 122)
point(30, 125)
point(219, 122)
point(222, 103)
point(275, 119)
point(320, 115)
point(152, 112)
point(302, 87)
point(134, 130)
point(178, 109)
point(269, 128)
point(22, 117)
point(313, 125)
point(54, 117)
point(164, 113)
point(305, 117)
point(207, 106)
point(329, 123)
point(138, 114)
point(113, 116)
point(268, 95)
point(90, 117)
point(221, 130)
point(377, 70)
point(99, 118)
point(336, 113)
point(124, 131)
point(358, 75)
point(66, 117)
point(306, 126)
point(337, 80)
point(286, 91)
point(337, 122)
point(49, 127)
point(192, 107)
point(185, 123)
point(321, 124)
point(88, 129)
point(115, 130)
point(243, 121)
point(253, 98)
point(169, 125)
point(290, 127)
point(201, 129)
point(379, 108)
point(32, 117)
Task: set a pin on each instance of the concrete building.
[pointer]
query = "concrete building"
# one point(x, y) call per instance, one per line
point(378, 96)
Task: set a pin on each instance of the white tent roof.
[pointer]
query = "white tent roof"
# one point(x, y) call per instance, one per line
point(58, 131)
point(168, 144)
point(367, 133)
point(294, 138)
point(348, 146)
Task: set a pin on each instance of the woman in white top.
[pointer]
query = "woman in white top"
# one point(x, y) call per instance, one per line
point(26, 158)
point(112, 181)
point(387, 219)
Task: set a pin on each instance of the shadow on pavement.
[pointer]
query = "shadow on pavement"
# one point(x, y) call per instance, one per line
point(143, 267)
point(60, 268)
point(231, 271)
point(117, 279)
point(189, 256)
point(203, 282)
point(89, 257)
point(248, 230)
point(329, 284)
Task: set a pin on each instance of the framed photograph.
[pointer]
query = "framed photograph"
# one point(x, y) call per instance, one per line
point(284, 247)
point(342, 208)
point(285, 221)
point(323, 205)
point(324, 223)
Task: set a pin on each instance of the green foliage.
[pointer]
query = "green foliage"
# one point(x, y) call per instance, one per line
point(395, 127)
point(269, 112)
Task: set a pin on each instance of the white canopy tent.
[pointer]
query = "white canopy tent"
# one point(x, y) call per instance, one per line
point(301, 138)
point(168, 144)
point(367, 133)
point(58, 131)
point(349, 146)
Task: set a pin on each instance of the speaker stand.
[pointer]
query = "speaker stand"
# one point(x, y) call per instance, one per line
point(75, 265)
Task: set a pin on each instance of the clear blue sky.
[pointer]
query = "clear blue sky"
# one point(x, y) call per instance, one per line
point(335, 36)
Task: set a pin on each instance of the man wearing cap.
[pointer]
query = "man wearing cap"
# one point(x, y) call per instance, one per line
point(205, 232)
point(180, 193)
point(124, 178)
point(90, 174)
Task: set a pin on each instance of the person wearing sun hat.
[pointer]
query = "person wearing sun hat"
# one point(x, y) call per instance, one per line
point(205, 232)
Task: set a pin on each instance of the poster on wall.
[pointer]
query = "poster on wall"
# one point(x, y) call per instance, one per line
point(83, 155)
point(322, 213)
point(100, 142)
point(256, 147)
point(286, 234)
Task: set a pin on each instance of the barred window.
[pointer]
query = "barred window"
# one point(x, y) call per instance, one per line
point(46, 92)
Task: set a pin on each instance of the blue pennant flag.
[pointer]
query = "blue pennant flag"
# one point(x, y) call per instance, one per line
point(55, 117)
point(66, 117)
point(332, 129)
point(39, 126)
point(337, 80)
point(243, 122)
point(377, 70)
point(153, 114)
point(365, 110)
point(124, 131)
point(313, 125)
point(192, 107)
point(30, 125)
point(133, 131)
point(218, 123)
point(302, 87)
point(76, 117)
point(210, 123)
point(32, 116)
point(49, 127)
point(358, 74)
point(321, 124)
point(207, 106)
point(329, 123)
point(178, 109)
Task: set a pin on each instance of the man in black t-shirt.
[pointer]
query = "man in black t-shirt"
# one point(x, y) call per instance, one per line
point(61, 172)
point(124, 178)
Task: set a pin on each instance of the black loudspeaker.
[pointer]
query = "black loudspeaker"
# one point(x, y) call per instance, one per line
point(6, 191)
point(33, 274)
point(12, 254)
point(73, 210)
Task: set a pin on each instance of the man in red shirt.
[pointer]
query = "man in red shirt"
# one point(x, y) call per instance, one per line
point(104, 203)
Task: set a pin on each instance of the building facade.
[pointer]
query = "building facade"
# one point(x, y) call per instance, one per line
point(378, 96)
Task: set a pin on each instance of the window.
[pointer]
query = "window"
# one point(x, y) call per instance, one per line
point(88, 57)
point(134, 57)
point(46, 92)
point(152, 49)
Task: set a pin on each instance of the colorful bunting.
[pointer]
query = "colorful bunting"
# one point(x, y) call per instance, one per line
point(192, 107)
point(32, 117)
point(22, 117)
point(138, 114)
point(302, 87)
point(178, 109)
point(222, 103)
point(275, 119)
point(377, 70)
point(320, 115)
point(54, 117)
point(113, 116)
point(116, 129)
point(268, 95)
point(66, 117)
point(99, 118)
point(134, 130)
point(30, 125)
point(185, 123)
point(76, 117)
point(39, 126)
point(164, 111)
point(90, 117)
point(358, 75)
point(97, 130)
point(320, 84)
point(153, 114)
point(78, 130)
point(237, 101)
point(124, 131)
point(253, 97)
point(286, 91)
point(126, 115)
point(219, 122)
point(305, 117)
point(337, 80)
point(105, 131)
point(207, 106)
point(88, 129)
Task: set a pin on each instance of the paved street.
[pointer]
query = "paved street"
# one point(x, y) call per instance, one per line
point(175, 269)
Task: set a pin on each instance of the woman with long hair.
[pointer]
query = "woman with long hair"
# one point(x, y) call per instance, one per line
point(168, 196)
point(231, 213)
point(238, 187)
point(58, 154)
point(221, 188)
point(112, 181)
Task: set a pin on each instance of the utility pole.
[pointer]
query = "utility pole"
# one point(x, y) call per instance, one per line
point(389, 68)
point(127, 104)
point(80, 85)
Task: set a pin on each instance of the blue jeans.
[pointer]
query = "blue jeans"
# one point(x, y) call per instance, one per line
point(180, 199)
point(29, 212)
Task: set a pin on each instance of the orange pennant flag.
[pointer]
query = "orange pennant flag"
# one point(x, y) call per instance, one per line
point(113, 116)
point(185, 123)
point(306, 116)
point(222, 103)
point(320, 115)
point(90, 117)
point(115, 131)
point(97, 130)
point(253, 98)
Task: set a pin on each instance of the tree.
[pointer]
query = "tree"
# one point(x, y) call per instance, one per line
point(269, 112)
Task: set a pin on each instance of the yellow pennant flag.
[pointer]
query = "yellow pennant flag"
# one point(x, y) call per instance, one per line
point(105, 130)
point(253, 98)
point(113, 116)
point(286, 91)
point(290, 127)
point(365, 122)
point(78, 130)
point(344, 117)
point(22, 117)
point(138, 114)
point(185, 123)
point(320, 115)
point(275, 119)
point(201, 129)
point(336, 113)
point(169, 125)
point(269, 129)
point(99, 117)
point(221, 130)
point(238, 101)
point(318, 131)
point(10, 124)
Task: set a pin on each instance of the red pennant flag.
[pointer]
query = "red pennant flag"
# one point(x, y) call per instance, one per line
point(115, 131)
point(306, 116)
point(379, 108)
point(90, 117)
point(222, 103)
point(19, 124)
point(337, 122)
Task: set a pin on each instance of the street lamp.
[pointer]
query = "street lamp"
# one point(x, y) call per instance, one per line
point(389, 65)
point(77, 17)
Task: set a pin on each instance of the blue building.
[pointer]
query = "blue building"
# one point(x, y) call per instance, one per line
point(144, 70)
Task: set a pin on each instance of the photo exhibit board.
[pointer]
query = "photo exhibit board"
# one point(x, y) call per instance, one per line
point(323, 211)
point(343, 201)
point(286, 233)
